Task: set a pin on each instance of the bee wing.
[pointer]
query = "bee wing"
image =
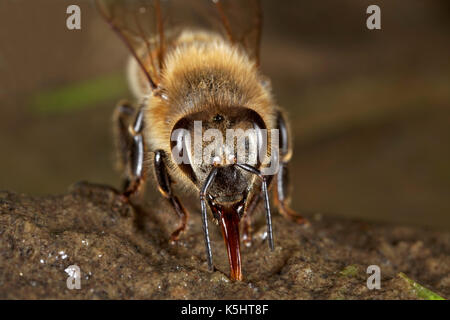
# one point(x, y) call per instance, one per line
point(239, 20)
point(242, 23)
point(140, 25)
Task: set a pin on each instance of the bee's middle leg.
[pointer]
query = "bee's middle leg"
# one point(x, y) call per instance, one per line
point(282, 185)
point(131, 148)
point(164, 186)
point(281, 198)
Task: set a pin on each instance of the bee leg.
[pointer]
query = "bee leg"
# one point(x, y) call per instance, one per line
point(122, 118)
point(282, 201)
point(164, 186)
point(282, 177)
point(265, 181)
point(133, 151)
point(247, 219)
point(254, 202)
point(203, 193)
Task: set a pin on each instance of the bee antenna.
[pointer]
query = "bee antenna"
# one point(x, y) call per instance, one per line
point(255, 171)
point(203, 193)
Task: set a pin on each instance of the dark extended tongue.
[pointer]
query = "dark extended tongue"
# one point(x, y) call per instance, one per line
point(230, 229)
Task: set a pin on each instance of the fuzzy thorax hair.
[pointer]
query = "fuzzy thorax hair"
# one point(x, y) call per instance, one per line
point(202, 71)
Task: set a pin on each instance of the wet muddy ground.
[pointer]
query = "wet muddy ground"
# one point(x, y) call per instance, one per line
point(369, 112)
point(125, 254)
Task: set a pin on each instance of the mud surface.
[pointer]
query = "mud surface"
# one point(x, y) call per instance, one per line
point(125, 254)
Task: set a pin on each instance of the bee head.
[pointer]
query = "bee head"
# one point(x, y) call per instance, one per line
point(218, 137)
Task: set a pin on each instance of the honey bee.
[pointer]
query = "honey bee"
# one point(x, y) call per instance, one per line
point(184, 76)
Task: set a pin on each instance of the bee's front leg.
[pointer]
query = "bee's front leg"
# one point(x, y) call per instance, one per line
point(282, 177)
point(131, 147)
point(164, 186)
point(254, 202)
point(247, 225)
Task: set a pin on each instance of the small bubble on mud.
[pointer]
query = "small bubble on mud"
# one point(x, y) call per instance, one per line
point(62, 254)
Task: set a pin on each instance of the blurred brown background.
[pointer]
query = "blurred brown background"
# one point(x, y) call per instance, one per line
point(370, 110)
